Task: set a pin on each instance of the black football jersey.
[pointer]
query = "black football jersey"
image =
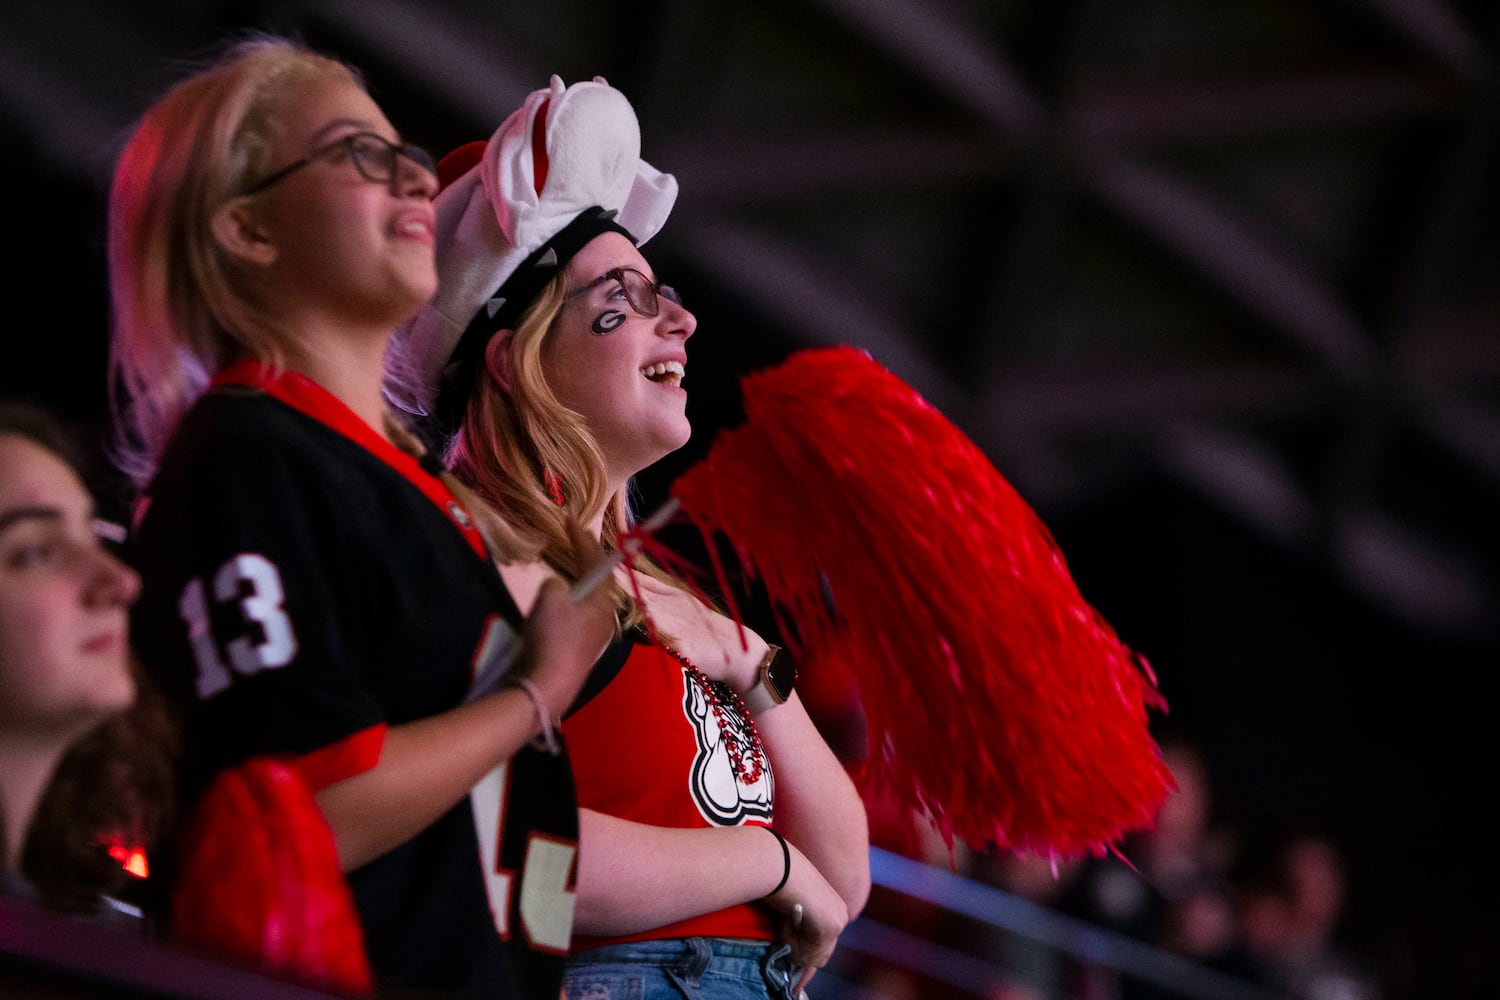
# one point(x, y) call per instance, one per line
point(306, 586)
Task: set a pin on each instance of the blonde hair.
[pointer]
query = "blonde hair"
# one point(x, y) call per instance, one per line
point(182, 309)
point(510, 441)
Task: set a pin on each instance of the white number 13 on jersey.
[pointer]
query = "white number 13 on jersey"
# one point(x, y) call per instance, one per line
point(261, 605)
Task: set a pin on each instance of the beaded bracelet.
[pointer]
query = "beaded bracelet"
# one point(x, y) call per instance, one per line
point(786, 857)
point(549, 735)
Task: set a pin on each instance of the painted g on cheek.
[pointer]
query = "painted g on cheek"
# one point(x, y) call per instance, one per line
point(607, 322)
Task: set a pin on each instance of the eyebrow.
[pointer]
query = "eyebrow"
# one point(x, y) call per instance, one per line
point(21, 514)
point(359, 124)
point(606, 276)
point(588, 286)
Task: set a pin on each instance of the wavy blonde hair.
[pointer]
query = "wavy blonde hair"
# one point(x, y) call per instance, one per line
point(511, 440)
point(182, 309)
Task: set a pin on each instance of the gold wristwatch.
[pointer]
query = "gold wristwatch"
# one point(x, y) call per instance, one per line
point(774, 681)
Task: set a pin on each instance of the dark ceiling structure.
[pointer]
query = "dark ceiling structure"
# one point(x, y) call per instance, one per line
point(1216, 285)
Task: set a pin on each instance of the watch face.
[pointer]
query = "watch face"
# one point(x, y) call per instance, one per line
point(780, 676)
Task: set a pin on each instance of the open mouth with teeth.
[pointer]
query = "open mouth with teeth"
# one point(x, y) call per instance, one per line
point(664, 372)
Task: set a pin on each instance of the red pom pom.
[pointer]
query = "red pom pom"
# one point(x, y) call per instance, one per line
point(260, 881)
point(999, 702)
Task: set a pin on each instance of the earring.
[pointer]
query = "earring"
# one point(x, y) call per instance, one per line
point(554, 487)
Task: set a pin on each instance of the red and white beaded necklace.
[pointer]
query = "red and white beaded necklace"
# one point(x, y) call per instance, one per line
point(749, 763)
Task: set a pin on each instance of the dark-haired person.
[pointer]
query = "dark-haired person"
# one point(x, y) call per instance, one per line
point(84, 772)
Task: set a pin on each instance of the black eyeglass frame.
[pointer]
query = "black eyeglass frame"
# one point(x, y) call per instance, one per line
point(416, 154)
point(658, 290)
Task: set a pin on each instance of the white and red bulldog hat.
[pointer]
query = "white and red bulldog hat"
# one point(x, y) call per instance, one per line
point(564, 168)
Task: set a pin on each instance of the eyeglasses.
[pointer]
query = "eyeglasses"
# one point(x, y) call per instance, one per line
point(374, 156)
point(643, 294)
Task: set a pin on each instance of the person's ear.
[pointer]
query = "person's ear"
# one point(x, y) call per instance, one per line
point(497, 357)
point(237, 230)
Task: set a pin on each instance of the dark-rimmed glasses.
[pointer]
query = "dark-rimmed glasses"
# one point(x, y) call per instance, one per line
point(374, 156)
point(643, 294)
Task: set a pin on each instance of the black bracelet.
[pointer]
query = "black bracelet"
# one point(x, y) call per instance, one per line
point(786, 857)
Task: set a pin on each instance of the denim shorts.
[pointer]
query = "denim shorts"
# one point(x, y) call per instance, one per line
point(682, 969)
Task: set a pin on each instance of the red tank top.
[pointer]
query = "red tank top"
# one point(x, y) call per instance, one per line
point(647, 748)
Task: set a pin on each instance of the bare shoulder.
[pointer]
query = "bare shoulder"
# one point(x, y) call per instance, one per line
point(524, 581)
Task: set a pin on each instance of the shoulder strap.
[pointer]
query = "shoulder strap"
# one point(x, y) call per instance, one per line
point(605, 669)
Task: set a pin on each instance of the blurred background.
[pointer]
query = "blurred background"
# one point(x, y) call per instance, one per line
point(1215, 284)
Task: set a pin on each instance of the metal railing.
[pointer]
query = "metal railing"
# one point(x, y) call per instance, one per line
point(966, 974)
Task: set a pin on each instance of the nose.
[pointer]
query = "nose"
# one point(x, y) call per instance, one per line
point(113, 583)
point(413, 180)
point(675, 320)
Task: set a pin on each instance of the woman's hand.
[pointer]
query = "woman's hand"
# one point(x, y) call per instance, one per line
point(713, 642)
point(564, 637)
point(814, 931)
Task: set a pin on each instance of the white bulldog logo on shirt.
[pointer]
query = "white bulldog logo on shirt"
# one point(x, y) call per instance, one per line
point(719, 792)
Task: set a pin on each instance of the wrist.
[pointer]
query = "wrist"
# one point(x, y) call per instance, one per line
point(773, 684)
point(786, 862)
point(548, 736)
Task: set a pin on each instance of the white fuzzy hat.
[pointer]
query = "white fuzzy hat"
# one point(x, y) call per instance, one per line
point(563, 168)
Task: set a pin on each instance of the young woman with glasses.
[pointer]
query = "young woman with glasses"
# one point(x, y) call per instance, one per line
point(723, 846)
point(313, 590)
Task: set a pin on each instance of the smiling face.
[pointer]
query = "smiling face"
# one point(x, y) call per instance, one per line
point(332, 241)
point(621, 370)
point(64, 652)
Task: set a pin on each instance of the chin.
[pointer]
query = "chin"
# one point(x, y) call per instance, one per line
point(676, 440)
point(418, 295)
point(104, 705)
point(410, 289)
point(654, 449)
point(107, 706)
